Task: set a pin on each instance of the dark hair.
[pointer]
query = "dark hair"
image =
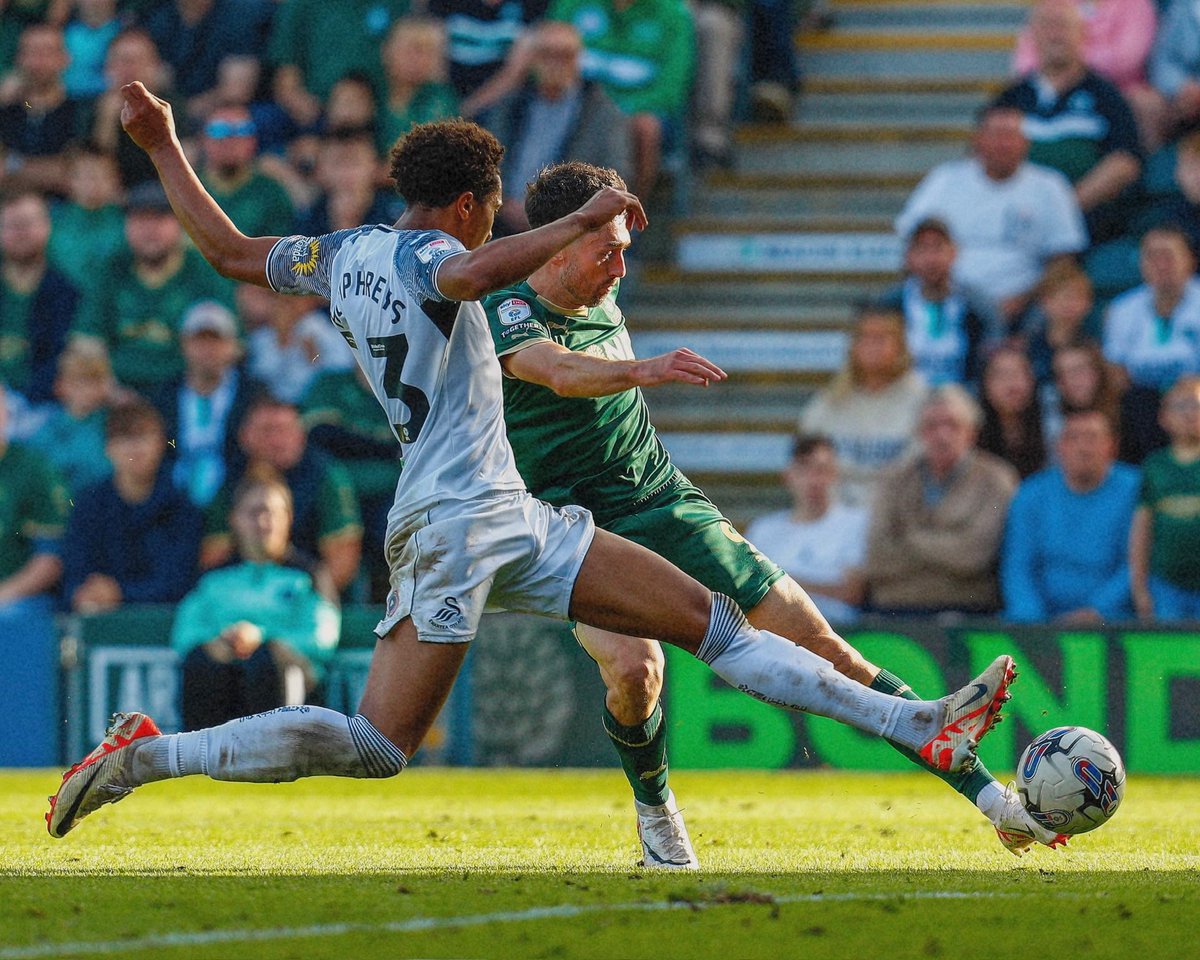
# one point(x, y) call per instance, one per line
point(565, 187)
point(805, 444)
point(436, 163)
point(133, 418)
point(1028, 453)
point(984, 112)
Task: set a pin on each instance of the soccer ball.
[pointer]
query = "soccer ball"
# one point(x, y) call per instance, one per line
point(1071, 779)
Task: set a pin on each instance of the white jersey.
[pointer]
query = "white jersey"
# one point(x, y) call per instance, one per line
point(429, 360)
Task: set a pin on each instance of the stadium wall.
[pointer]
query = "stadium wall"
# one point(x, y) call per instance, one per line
point(528, 696)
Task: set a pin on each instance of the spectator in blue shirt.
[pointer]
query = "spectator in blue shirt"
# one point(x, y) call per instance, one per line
point(1065, 555)
point(132, 538)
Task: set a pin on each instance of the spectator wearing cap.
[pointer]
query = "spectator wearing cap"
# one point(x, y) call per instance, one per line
point(1076, 121)
point(37, 303)
point(1010, 218)
point(937, 521)
point(256, 203)
point(132, 538)
point(38, 121)
point(136, 305)
point(203, 408)
point(946, 334)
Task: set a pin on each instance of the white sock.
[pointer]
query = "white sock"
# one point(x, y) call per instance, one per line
point(776, 671)
point(991, 800)
point(273, 747)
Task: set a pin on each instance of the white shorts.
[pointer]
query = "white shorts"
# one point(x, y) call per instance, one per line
point(508, 551)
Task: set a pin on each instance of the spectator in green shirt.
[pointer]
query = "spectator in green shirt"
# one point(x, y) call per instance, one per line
point(1163, 543)
point(642, 52)
point(88, 228)
point(256, 203)
point(33, 511)
point(327, 521)
point(255, 632)
point(314, 43)
point(136, 304)
point(414, 63)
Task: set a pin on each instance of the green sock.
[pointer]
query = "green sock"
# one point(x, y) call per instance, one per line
point(969, 782)
point(643, 752)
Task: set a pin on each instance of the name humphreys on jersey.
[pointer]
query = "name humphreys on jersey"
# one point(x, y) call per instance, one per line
point(365, 283)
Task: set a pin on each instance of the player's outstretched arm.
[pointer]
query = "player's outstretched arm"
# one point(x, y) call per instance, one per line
point(148, 121)
point(503, 262)
point(572, 374)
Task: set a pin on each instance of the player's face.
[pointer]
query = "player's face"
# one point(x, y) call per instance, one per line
point(595, 262)
point(262, 524)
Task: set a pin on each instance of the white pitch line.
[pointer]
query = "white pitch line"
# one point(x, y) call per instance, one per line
point(204, 938)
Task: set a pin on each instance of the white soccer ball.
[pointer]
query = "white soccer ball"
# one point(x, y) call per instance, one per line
point(1071, 779)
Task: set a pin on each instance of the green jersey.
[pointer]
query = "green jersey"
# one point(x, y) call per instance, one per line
point(258, 206)
point(16, 356)
point(139, 323)
point(33, 507)
point(83, 240)
point(599, 452)
point(1171, 490)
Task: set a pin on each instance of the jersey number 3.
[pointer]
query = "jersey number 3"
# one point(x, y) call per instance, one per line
point(394, 350)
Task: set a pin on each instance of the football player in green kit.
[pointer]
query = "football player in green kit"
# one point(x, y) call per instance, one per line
point(581, 433)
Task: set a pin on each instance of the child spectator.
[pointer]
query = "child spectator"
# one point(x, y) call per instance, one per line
point(1062, 314)
point(1012, 414)
point(414, 64)
point(86, 38)
point(1165, 539)
point(870, 409)
point(945, 333)
point(72, 436)
point(132, 538)
point(88, 228)
point(254, 633)
point(820, 543)
point(1153, 331)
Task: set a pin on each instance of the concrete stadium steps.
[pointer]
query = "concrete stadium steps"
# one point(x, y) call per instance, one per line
point(792, 315)
point(864, 151)
point(729, 198)
point(977, 17)
point(910, 57)
point(745, 402)
point(672, 291)
point(903, 109)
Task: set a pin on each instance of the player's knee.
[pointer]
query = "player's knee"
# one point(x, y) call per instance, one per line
point(635, 685)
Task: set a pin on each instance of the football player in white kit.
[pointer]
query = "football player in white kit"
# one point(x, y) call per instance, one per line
point(463, 529)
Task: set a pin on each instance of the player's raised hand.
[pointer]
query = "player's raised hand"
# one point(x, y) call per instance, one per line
point(146, 118)
point(609, 202)
point(678, 366)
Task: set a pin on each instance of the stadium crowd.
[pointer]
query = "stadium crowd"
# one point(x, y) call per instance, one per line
point(1033, 376)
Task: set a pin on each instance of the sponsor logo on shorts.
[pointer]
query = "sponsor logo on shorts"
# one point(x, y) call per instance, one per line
point(393, 604)
point(513, 311)
point(450, 614)
point(433, 249)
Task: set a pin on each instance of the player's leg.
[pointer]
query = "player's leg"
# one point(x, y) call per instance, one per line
point(280, 745)
point(632, 671)
point(626, 589)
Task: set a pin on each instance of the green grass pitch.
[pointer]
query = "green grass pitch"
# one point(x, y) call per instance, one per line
point(493, 863)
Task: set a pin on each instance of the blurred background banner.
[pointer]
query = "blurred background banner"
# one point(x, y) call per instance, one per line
point(529, 696)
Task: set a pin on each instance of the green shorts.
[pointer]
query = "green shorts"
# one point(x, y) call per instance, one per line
point(683, 526)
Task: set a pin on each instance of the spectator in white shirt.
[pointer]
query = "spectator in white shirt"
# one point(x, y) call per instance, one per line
point(1153, 331)
point(1010, 218)
point(819, 542)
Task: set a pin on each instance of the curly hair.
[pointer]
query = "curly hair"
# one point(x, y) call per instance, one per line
point(565, 187)
point(435, 163)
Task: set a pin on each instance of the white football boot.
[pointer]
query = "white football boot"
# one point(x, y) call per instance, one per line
point(968, 714)
point(665, 841)
point(1017, 830)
